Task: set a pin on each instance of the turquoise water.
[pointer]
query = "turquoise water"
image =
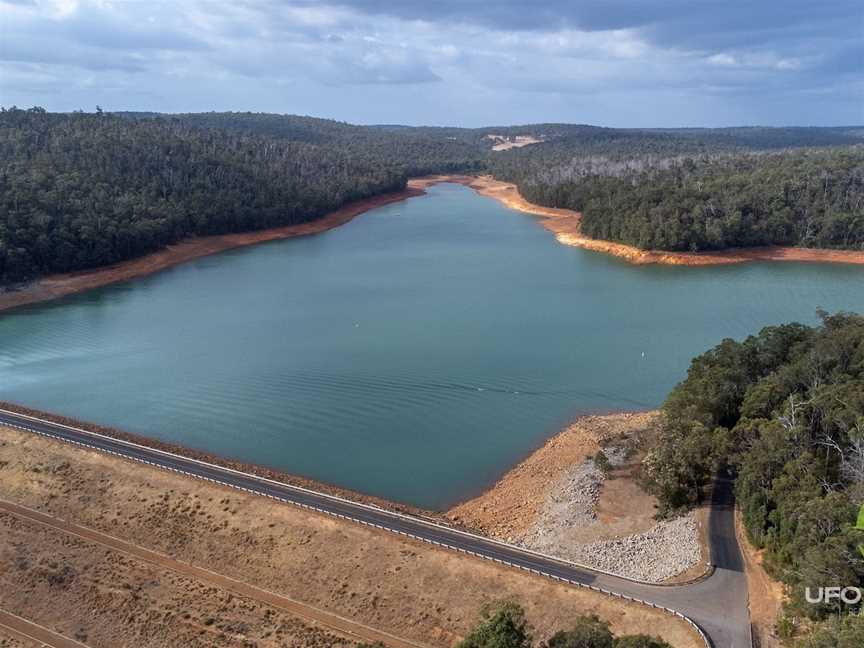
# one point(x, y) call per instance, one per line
point(415, 353)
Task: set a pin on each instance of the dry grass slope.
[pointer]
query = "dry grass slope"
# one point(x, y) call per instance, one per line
point(407, 588)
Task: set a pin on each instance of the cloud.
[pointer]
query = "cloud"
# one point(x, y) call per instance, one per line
point(613, 62)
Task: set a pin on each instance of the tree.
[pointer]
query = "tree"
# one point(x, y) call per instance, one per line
point(784, 411)
point(640, 641)
point(587, 632)
point(503, 626)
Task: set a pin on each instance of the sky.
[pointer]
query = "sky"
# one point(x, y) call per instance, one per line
point(636, 63)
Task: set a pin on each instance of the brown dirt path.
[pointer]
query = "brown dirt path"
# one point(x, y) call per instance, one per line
point(765, 594)
point(341, 625)
point(33, 633)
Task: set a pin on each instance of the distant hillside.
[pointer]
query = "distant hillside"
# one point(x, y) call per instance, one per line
point(417, 151)
point(701, 189)
point(83, 190)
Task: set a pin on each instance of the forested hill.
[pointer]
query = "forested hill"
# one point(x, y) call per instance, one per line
point(807, 198)
point(701, 190)
point(81, 190)
point(416, 151)
point(783, 410)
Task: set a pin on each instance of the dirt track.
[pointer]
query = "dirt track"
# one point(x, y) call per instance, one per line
point(334, 622)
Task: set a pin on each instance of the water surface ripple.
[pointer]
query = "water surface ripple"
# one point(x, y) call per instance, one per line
point(414, 353)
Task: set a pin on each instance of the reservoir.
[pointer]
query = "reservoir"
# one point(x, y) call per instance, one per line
point(415, 353)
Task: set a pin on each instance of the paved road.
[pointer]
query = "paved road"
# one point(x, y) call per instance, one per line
point(717, 605)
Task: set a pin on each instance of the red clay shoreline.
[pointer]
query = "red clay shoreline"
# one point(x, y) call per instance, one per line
point(564, 223)
point(60, 285)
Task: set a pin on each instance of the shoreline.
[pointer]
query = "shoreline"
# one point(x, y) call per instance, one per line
point(565, 225)
point(558, 502)
point(354, 571)
point(513, 505)
point(509, 505)
point(61, 285)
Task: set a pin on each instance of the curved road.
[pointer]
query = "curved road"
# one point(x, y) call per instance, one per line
point(717, 604)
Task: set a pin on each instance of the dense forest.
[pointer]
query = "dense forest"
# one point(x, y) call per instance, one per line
point(83, 190)
point(416, 151)
point(80, 190)
point(784, 412)
point(670, 192)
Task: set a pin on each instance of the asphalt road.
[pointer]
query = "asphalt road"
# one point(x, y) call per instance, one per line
point(717, 605)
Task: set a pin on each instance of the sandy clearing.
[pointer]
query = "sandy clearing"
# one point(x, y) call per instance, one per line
point(505, 142)
point(407, 588)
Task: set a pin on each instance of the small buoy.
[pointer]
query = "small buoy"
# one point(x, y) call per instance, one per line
point(643, 354)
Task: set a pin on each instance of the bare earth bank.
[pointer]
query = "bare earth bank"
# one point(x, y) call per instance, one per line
point(60, 285)
point(555, 501)
point(560, 502)
point(564, 223)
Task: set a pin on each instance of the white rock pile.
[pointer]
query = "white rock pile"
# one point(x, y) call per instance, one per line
point(668, 549)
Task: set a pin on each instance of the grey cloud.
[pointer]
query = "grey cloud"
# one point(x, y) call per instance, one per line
point(691, 24)
point(692, 61)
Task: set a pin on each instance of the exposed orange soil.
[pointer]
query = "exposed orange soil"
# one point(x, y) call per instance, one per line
point(765, 594)
point(66, 284)
point(565, 224)
point(511, 506)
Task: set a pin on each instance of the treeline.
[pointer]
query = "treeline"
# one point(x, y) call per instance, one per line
point(79, 191)
point(505, 626)
point(784, 411)
point(669, 193)
point(799, 198)
point(417, 151)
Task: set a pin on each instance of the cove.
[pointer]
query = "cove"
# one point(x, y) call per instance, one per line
point(414, 353)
